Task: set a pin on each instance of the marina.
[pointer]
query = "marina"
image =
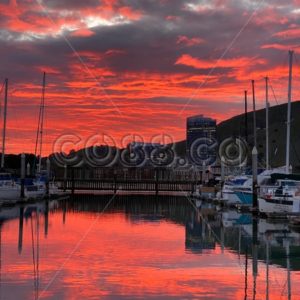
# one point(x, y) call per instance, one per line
point(149, 150)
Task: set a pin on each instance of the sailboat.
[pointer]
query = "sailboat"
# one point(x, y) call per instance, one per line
point(284, 195)
point(42, 176)
point(35, 188)
point(239, 189)
point(8, 189)
point(279, 191)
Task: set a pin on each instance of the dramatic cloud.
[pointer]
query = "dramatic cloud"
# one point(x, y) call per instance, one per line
point(139, 66)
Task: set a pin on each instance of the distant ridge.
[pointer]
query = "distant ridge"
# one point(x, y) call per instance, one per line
point(277, 133)
point(235, 127)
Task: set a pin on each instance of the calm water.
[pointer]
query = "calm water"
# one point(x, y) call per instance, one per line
point(144, 248)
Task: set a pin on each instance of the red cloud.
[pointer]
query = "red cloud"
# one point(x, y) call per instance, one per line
point(291, 33)
point(197, 63)
point(282, 47)
point(84, 32)
point(182, 39)
point(48, 70)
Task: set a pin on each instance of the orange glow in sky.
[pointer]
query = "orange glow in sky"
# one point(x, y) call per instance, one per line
point(139, 67)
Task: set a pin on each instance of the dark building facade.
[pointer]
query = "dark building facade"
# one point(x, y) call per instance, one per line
point(201, 140)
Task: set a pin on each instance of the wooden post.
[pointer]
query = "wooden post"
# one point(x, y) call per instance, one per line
point(65, 177)
point(73, 180)
point(222, 175)
point(115, 183)
point(28, 171)
point(203, 172)
point(192, 187)
point(23, 175)
point(254, 180)
point(156, 182)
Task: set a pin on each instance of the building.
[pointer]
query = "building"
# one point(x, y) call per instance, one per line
point(201, 140)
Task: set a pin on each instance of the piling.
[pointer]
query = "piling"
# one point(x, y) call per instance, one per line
point(65, 177)
point(203, 172)
point(73, 181)
point(222, 175)
point(156, 182)
point(28, 169)
point(254, 179)
point(115, 183)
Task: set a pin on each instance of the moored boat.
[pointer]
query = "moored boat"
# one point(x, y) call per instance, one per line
point(282, 198)
point(9, 190)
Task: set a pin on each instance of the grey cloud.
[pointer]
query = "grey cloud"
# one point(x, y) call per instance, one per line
point(70, 4)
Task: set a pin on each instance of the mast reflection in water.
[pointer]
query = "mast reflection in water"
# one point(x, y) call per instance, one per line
point(144, 247)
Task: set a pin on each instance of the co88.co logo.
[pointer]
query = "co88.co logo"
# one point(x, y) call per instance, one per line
point(234, 152)
point(203, 151)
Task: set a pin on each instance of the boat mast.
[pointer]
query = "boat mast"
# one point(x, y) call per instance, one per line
point(4, 124)
point(267, 124)
point(254, 115)
point(288, 133)
point(246, 117)
point(42, 121)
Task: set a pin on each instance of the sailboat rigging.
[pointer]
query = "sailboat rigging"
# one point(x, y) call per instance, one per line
point(288, 133)
point(40, 129)
point(267, 124)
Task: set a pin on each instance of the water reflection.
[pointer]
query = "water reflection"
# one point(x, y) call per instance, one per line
point(144, 247)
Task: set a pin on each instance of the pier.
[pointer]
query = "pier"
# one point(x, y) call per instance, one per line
point(131, 180)
point(136, 185)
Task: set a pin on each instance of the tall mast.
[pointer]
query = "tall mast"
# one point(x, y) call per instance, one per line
point(267, 124)
point(4, 124)
point(246, 117)
point(288, 124)
point(254, 115)
point(42, 110)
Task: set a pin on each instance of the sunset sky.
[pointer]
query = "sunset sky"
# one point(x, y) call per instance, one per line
point(124, 67)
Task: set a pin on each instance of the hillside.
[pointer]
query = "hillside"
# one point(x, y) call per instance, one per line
point(277, 133)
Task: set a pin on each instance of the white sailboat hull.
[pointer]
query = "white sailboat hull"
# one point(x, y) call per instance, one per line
point(278, 206)
point(230, 197)
point(13, 193)
point(35, 192)
point(10, 193)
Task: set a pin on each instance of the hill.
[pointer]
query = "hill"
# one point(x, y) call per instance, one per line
point(277, 133)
